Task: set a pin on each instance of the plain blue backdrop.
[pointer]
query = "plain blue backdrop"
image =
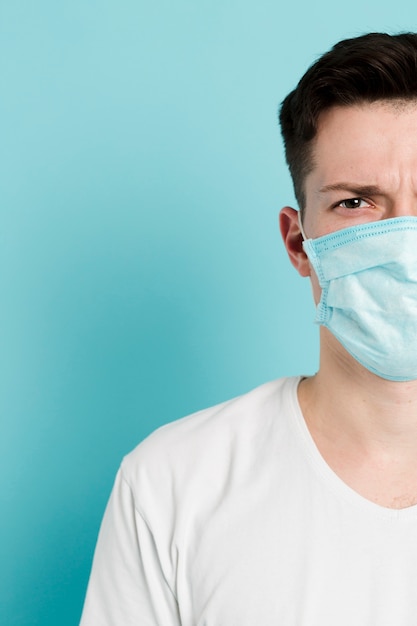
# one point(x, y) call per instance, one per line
point(142, 274)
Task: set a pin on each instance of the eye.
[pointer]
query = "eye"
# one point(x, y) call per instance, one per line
point(353, 203)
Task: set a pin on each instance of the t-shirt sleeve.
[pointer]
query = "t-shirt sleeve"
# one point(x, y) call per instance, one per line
point(127, 584)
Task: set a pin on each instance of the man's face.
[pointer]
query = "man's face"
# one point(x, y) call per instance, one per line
point(365, 166)
point(364, 169)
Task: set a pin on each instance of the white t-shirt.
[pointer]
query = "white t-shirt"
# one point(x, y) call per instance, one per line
point(230, 517)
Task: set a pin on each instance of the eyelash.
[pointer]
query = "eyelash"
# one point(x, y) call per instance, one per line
point(338, 204)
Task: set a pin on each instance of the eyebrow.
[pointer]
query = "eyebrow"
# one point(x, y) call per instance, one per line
point(358, 190)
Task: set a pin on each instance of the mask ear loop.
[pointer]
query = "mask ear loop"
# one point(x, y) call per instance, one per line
point(301, 227)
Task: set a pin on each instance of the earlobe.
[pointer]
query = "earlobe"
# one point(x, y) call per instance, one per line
point(293, 240)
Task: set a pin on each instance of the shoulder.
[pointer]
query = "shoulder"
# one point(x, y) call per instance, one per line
point(212, 435)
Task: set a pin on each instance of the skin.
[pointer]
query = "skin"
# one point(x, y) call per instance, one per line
point(365, 170)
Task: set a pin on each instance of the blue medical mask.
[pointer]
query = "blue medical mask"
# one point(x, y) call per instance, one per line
point(368, 276)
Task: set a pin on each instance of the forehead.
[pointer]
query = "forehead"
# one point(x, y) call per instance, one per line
point(363, 118)
point(361, 138)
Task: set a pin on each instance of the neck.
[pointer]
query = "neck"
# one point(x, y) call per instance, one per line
point(345, 400)
point(365, 427)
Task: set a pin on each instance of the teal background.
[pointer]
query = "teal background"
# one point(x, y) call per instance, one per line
point(142, 275)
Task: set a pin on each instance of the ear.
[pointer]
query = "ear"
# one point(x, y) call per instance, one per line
point(293, 240)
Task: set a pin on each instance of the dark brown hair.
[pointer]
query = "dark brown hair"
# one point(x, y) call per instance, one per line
point(376, 66)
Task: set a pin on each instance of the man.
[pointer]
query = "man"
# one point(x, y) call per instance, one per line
point(296, 504)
